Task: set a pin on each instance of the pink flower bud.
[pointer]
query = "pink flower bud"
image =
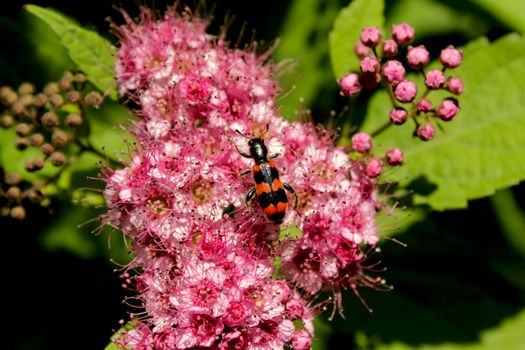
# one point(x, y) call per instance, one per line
point(362, 142)
point(362, 50)
point(389, 48)
point(424, 105)
point(398, 115)
point(447, 109)
point(370, 80)
point(450, 57)
point(374, 168)
point(418, 56)
point(371, 36)
point(426, 132)
point(301, 340)
point(403, 33)
point(393, 72)
point(434, 79)
point(394, 156)
point(295, 309)
point(405, 91)
point(350, 85)
point(369, 65)
point(455, 85)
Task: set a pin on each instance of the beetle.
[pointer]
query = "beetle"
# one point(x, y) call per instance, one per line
point(269, 190)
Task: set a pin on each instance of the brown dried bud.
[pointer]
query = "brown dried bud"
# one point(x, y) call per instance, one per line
point(40, 99)
point(58, 158)
point(51, 89)
point(56, 100)
point(21, 143)
point(49, 120)
point(26, 88)
point(23, 129)
point(7, 121)
point(17, 108)
point(38, 163)
point(64, 84)
point(29, 166)
point(35, 196)
point(74, 120)
point(47, 149)
point(93, 98)
point(26, 100)
point(13, 179)
point(18, 213)
point(80, 78)
point(4, 211)
point(59, 139)
point(73, 96)
point(36, 140)
point(13, 193)
point(8, 96)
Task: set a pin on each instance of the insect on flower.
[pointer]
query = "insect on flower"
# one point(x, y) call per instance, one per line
point(269, 189)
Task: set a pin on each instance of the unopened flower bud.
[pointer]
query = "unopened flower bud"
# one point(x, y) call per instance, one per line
point(369, 65)
point(403, 33)
point(455, 85)
point(25, 100)
point(49, 120)
point(8, 96)
point(393, 72)
point(40, 99)
point(398, 115)
point(350, 85)
point(73, 96)
point(447, 109)
point(68, 76)
point(74, 120)
point(394, 156)
point(301, 340)
point(405, 91)
point(23, 129)
point(38, 163)
point(21, 143)
point(7, 121)
point(362, 50)
point(4, 211)
point(64, 84)
point(424, 105)
point(13, 193)
point(58, 158)
point(374, 168)
point(59, 139)
point(93, 98)
point(389, 48)
point(434, 79)
point(35, 196)
point(29, 166)
point(47, 149)
point(418, 57)
point(450, 57)
point(80, 78)
point(17, 108)
point(36, 140)
point(26, 88)
point(13, 179)
point(426, 132)
point(56, 100)
point(371, 36)
point(18, 213)
point(362, 142)
point(51, 89)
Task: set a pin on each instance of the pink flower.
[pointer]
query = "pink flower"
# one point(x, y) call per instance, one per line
point(398, 115)
point(374, 168)
point(451, 57)
point(350, 85)
point(434, 79)
point(362, 142)
point(403, 33)
point(424, 105)
point(405, 91)
point(394, 156)
point(455, 85)
point(393, 72)
point(389, 48)
point(369, 65)
point(447, 109)
point(426, 132)
point(371, 36)
point(418, 56)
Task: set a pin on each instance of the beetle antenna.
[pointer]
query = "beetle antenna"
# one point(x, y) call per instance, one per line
point(265, 131)
point(240, 133)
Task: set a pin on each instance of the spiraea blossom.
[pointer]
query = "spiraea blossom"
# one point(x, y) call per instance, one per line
point(211, 271)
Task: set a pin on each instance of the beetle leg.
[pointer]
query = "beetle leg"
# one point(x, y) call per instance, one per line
point(244, 154)
point(245, 172)
point(273, 156)
point(249, 196)
point(290, 189)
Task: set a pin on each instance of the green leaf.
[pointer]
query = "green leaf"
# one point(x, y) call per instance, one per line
point(91, 53)
point(303, 39)
point(482, 149)
point(347, 28)
point(511, 219)
point(509, 12)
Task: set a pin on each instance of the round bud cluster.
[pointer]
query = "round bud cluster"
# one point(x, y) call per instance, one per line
point(48, 120)
point(388, 67)
point(15, 194)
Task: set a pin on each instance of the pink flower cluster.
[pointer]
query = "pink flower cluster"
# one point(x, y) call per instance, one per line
point(206, 264)
point(384, 69)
